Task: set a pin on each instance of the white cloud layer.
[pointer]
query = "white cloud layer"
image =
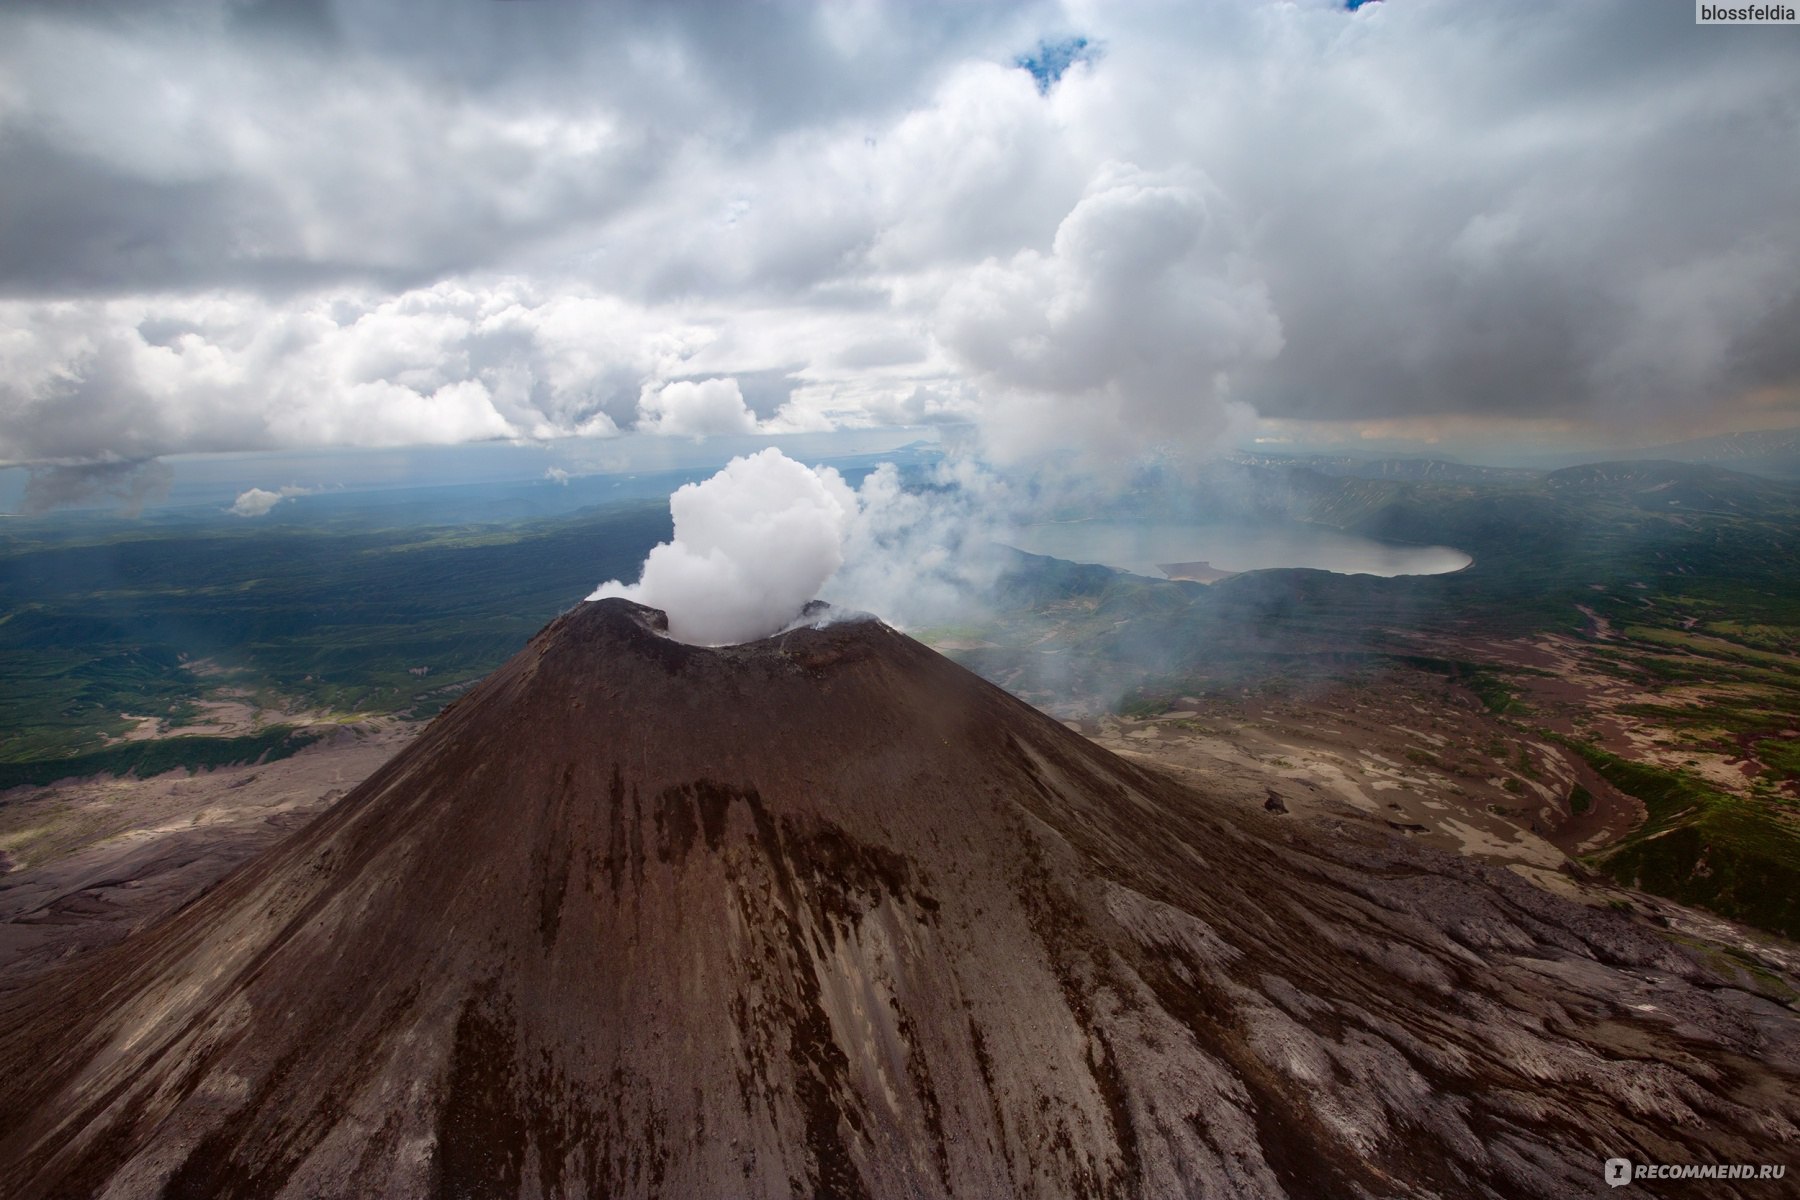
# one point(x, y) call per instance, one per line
point(455, 362)
point(234, 225)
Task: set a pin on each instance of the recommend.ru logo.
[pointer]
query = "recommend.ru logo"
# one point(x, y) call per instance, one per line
point(1621, 1171)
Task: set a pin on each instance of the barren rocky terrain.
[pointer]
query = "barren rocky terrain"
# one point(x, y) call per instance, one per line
point(88, 861)
point(827, 914)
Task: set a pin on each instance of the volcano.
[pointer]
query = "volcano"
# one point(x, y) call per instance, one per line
point(827, 915)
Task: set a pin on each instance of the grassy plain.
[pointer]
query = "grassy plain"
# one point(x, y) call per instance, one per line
point(105, 624)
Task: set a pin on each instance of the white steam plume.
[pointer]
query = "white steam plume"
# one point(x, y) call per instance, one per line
point(765, 535)
point(752, 545)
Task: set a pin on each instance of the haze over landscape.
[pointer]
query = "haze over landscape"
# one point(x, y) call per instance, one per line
point(864, 599)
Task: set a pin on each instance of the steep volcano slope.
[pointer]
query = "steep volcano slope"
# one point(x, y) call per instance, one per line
point(827, 915)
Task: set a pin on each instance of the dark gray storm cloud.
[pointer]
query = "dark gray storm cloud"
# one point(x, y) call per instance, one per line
point(1556, 213)
point(237, 225)
point(131, 485)
point(275, 145)
point(72, 223)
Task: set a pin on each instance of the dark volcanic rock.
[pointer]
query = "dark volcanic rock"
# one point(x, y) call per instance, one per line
point(827, 915)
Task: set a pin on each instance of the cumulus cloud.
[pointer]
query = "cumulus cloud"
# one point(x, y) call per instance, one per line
point(256, 502)
point(751, 546)
point(687, 408)
point(1123, 336)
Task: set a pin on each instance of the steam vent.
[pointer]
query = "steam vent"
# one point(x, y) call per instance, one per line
point(826, 915)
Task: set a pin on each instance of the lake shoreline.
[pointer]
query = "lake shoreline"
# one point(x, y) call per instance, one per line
point(1167, 550)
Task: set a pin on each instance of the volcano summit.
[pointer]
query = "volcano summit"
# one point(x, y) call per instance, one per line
point(827, 915)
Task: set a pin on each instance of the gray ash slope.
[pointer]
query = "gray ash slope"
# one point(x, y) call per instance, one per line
point(827, 915)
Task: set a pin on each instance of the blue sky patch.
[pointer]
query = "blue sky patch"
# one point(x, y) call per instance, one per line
point(1048, 62)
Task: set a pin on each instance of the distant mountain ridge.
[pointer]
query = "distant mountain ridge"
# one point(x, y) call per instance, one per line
point(1772, 452)
point(1656, 483)
point(1430, 470)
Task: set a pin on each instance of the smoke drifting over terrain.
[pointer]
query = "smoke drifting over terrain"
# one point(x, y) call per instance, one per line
point(924, 554)
point(757, 541)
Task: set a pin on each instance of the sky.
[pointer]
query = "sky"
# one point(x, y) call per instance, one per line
point(1081, 228)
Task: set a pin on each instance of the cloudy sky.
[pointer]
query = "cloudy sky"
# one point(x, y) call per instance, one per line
point(233, 225)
